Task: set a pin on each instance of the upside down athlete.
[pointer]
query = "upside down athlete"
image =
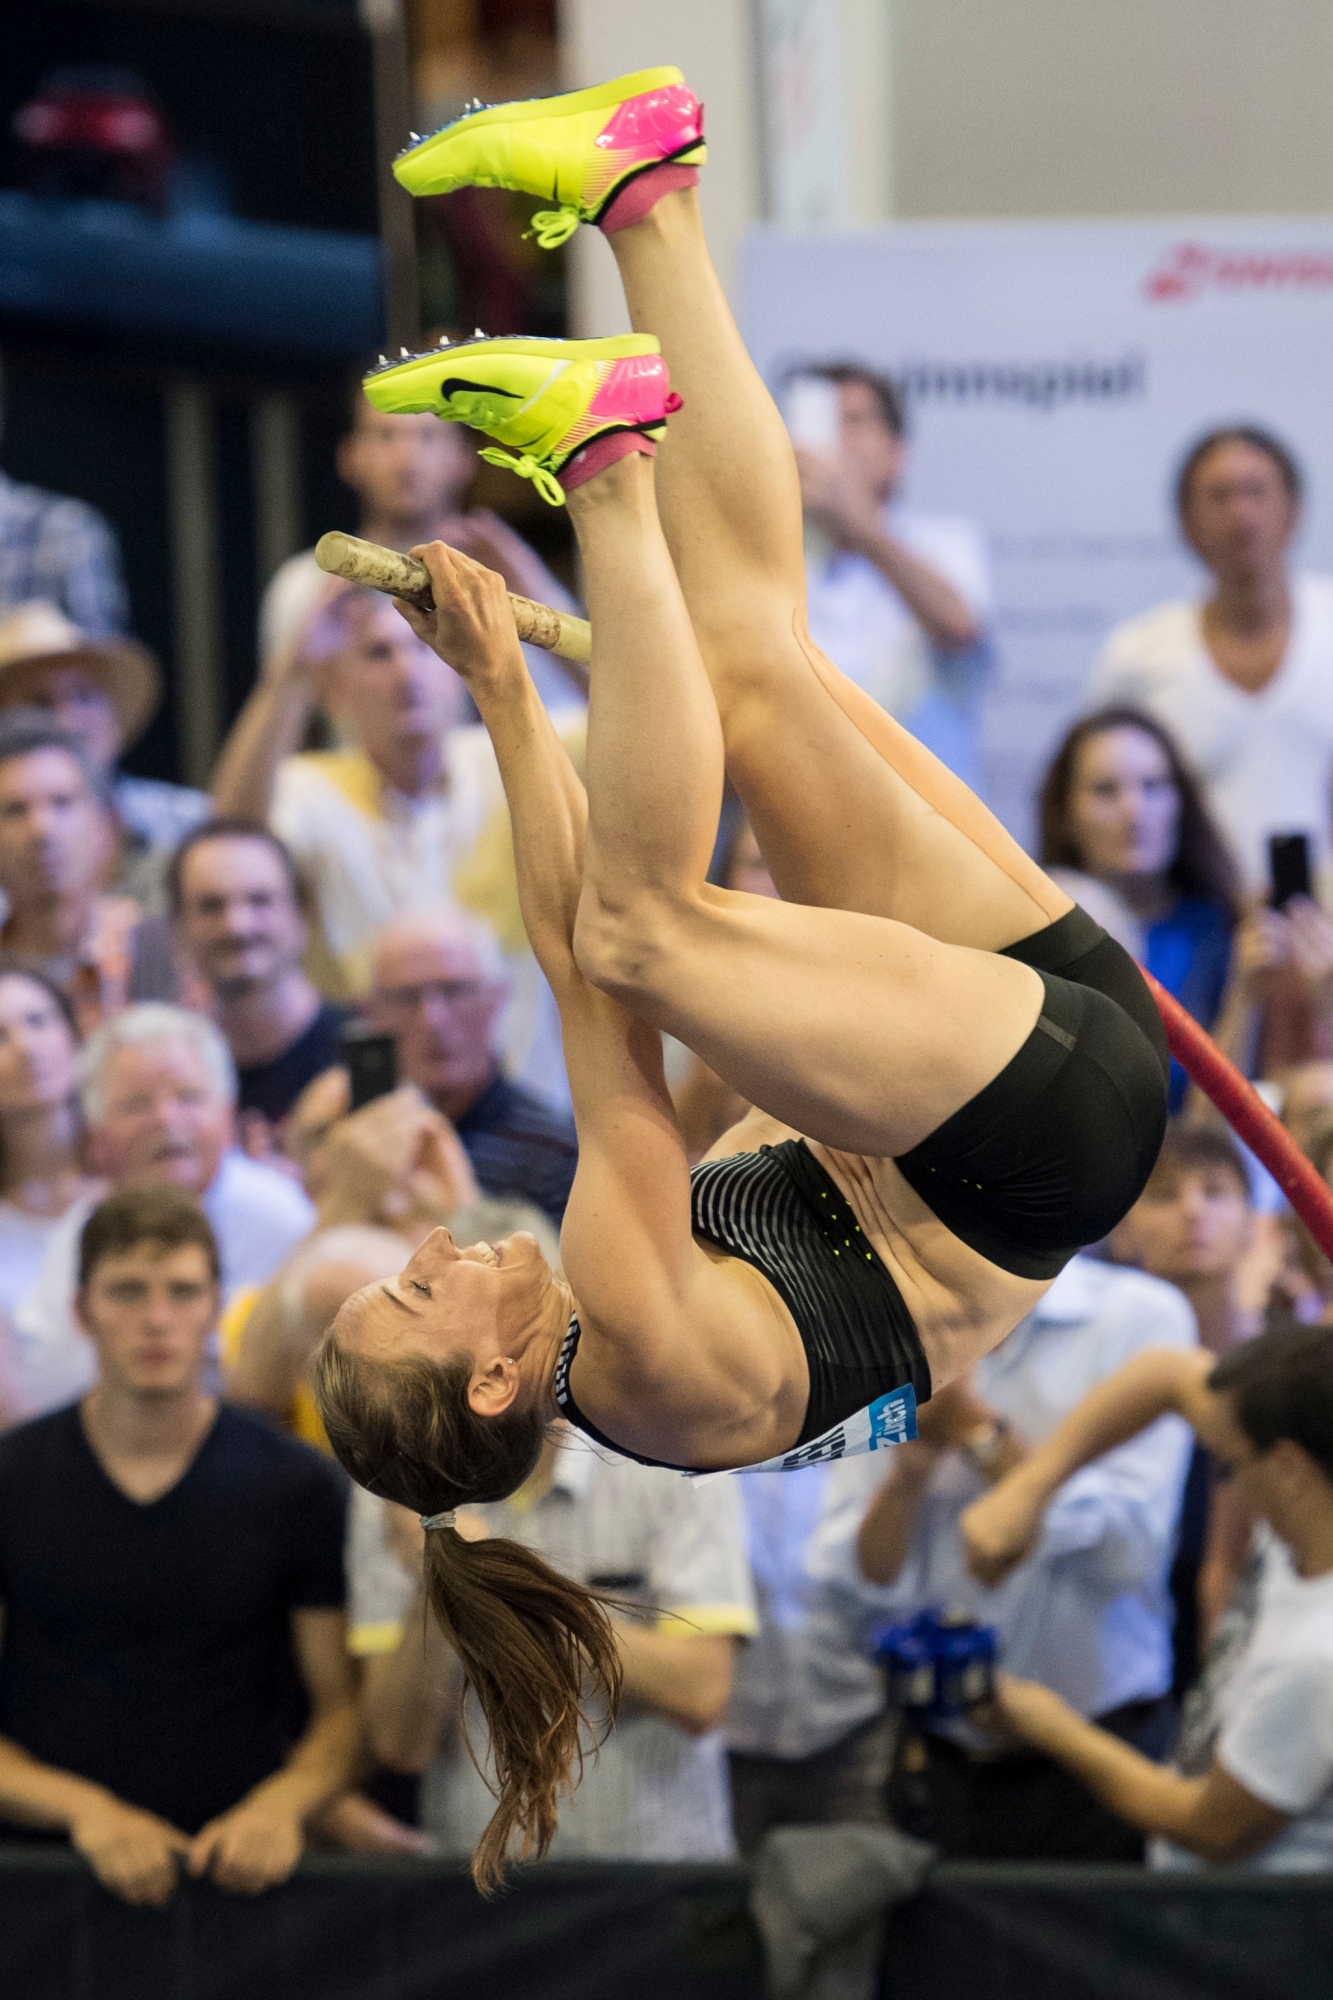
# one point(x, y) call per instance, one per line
point(962, 1079)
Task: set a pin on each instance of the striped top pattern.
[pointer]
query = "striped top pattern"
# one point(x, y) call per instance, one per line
point(779, 1211)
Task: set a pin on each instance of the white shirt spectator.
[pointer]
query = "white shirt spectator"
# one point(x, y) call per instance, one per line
point(295, 590)
point(654, 1792)
point(1088, 1613)
point(258, 1216)
point(1265, 759)
point(805, 1681)
point(1273, 1715)
point(858, 618)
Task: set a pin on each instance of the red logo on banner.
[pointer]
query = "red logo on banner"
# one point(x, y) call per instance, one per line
point(1188, 270)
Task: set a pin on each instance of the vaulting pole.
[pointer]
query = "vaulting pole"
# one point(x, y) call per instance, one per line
point(403, 576)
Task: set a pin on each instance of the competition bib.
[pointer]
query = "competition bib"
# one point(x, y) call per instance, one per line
point(890, 1419)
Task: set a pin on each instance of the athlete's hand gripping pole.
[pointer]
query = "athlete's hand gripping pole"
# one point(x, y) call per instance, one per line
point(403, 576)
point(1248, 1116)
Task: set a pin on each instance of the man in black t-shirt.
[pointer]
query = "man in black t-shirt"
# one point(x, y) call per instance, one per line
point(174, 1680)
point(236, 902)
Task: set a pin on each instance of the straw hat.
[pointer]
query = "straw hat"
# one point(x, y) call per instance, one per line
point(39, 634)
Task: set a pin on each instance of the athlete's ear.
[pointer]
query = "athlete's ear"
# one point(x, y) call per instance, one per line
point(493, 1388)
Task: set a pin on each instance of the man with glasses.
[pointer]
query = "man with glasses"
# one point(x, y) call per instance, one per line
point(440, 988)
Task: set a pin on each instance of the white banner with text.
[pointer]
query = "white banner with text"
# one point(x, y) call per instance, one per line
point(1054, 375)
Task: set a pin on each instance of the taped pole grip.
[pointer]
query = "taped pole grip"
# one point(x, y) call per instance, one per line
point(403, 576)
point(1248, 1116)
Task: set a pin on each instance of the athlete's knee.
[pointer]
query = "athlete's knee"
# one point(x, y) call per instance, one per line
point(622, 942)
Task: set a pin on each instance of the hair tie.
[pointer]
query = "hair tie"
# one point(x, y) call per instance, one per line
point(445, 1520)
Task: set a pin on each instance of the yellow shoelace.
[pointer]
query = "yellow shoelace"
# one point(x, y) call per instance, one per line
point(552, 227)
point(527, 467)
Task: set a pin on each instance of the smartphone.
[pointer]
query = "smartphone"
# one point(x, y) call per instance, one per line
point(1288, 867)
point(814, 413)
point(372, 1063)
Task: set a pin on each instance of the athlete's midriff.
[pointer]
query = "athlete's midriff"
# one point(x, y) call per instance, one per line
point(961, 1303)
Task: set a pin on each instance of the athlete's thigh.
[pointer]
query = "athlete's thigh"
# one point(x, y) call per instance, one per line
point(856, 1030)
point(853, 813)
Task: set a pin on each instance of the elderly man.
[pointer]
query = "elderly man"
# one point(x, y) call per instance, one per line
point(57, 840)
point(158, 1088)
point(103, 692)
point(439, 988)
point(409, 475)
point(236, 904)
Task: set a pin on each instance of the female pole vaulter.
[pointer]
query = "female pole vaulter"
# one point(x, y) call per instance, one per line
point(959, 1078)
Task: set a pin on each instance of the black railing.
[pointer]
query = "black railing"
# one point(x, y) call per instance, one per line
point(351, 1929)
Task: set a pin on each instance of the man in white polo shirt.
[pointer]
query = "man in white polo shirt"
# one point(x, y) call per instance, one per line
point(1244, 679)
point(657, 1789)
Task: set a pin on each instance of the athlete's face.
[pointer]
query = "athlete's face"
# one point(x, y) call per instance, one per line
point(488, 1301)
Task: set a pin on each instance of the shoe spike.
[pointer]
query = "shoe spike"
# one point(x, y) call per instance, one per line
point(415, 138)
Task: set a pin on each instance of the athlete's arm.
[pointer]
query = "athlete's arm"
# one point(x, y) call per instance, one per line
point(999, 1529)
point(627, 1241)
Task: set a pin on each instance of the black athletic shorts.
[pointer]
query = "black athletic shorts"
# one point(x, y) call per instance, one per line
point(1048, 1157)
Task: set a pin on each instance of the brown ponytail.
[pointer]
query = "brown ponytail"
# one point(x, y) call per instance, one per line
point(528, 1638)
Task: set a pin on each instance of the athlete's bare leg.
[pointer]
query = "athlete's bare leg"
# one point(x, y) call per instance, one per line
point(854, 1028)
point(850, 810)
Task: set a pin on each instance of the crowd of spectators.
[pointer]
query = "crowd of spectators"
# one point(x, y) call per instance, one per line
point(213, 1656)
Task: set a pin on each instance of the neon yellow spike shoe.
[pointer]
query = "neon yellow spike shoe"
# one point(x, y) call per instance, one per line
point(584, 151)
point(567, 407)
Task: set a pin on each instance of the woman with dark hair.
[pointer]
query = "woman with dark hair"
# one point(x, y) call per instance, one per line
point(39, 1123)
point(1242, 676)
point(1118, 804)
point(962, 1078)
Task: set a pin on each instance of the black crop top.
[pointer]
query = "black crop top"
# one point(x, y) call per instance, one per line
point(780, 1211)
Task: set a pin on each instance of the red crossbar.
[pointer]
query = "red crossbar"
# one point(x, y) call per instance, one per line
point(1248, 1116)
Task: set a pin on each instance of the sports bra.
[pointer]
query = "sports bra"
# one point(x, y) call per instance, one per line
point(779, 1210)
